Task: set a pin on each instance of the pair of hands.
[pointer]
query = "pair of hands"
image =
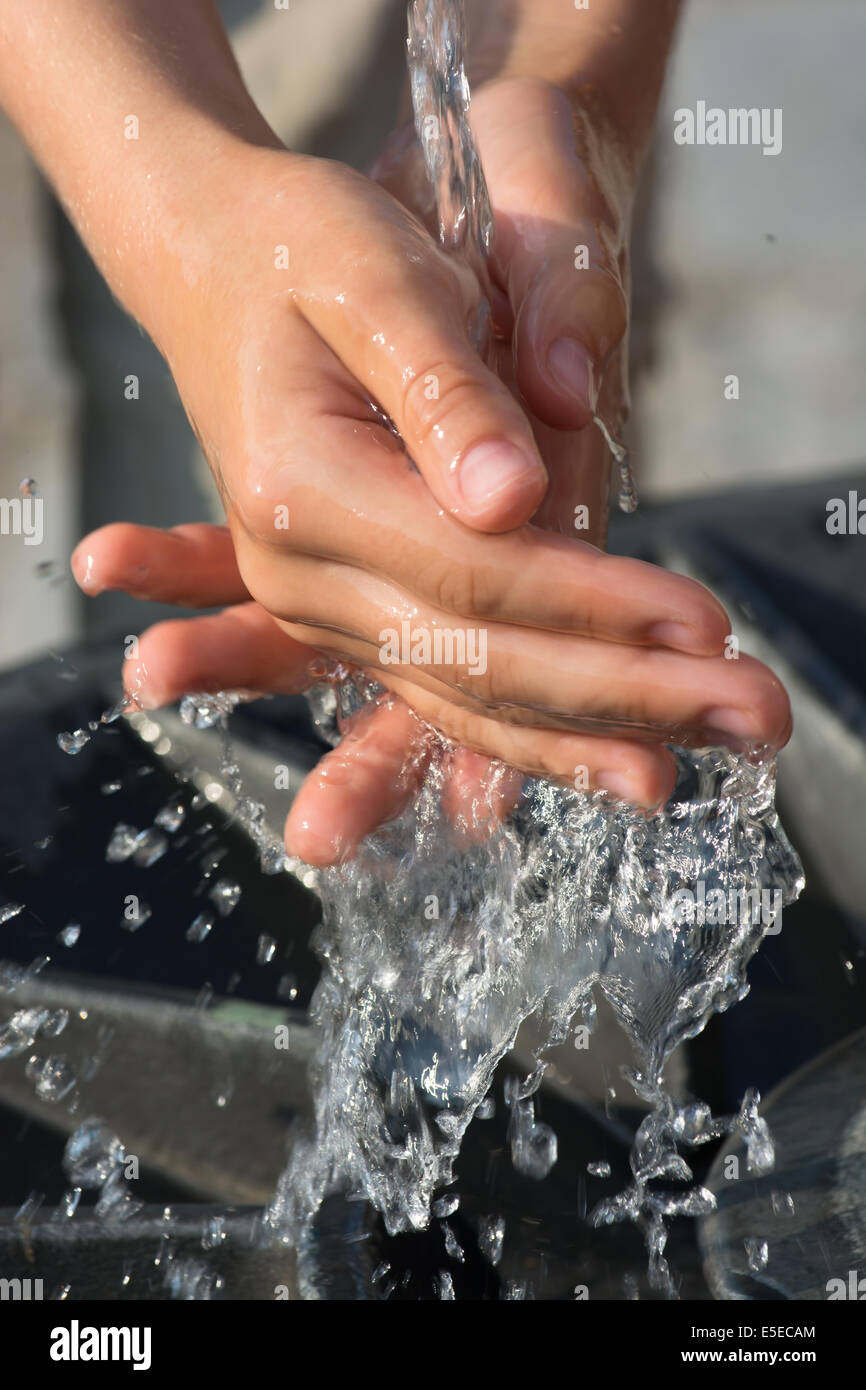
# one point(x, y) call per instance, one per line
point(313, 290)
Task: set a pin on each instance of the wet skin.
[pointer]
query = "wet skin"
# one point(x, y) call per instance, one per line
point(277, 357)
point(574, 635)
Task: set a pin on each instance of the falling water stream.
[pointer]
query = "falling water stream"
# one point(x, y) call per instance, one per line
point(438, 942)
point(436, 948)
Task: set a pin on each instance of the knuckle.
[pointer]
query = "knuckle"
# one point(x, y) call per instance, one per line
point(432, 397)
point(261, 517)
point(453, 588)
point(492, 689)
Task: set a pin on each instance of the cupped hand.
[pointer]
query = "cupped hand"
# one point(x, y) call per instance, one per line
point(369, 777)
point(338, 539)
point(342, 539)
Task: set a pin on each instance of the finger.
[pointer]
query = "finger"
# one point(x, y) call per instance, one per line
point(556, 254)
point(193, 566)
point(546, 679)
point(241, 648)
point(336, 510)
point(578, 463)
point(364, 782)
point(478, 794)
point(398, 320)
point(529, 675)
point(641, 773)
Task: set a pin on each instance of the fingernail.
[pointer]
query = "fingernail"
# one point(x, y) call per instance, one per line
point(619, 784)
point(729, 721)
point(573, 370)
point(491, 468)
point(81, 565)
point(678, 635)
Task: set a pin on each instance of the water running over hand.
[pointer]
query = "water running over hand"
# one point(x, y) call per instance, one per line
point(437, 942)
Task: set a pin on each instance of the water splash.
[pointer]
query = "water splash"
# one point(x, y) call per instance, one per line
point(436, 950)
point(72, 743)
point(440, 101)
point(438, 942)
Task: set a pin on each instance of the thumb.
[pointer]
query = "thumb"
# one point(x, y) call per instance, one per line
point(561, 263)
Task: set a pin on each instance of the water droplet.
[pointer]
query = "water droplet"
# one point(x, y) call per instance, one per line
point(287, 988)
point(266, 949)
point(444, 1287)
point(273, 859)
point(446, 1206)
point(599, 1170)
point(214, 1233)
point(515, 1292)
point(452, 1244)
point(225, 895)
point(757, 1253)
point(70, 934)
point(9, 911)
point(55, 1023)
point(171, 817)
point(204, 711)
point(782, 1204)
point(74, 742)
point(533, 1145)
point(200, 927)
point(204, 997)
point(191, 1281)
point(93, 1153)
point(18, 1033)
point(116, 1201)
point(491, 1234)
point(150, 846)
point(68, 1205)
point(55, 1079)
point(122, 843)
point(627, 496)
point(113, 713)
point(26, 1213)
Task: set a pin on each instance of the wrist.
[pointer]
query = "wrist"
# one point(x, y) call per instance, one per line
point(609, 59)
point(178, 222)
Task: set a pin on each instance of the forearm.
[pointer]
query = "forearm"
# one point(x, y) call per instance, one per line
point(129, 107)
point(610, 58)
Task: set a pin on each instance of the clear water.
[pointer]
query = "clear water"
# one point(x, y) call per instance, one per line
point(436, 944)
point(435, 950)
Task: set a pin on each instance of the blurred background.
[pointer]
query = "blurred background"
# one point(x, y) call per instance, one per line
point(743, 264)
